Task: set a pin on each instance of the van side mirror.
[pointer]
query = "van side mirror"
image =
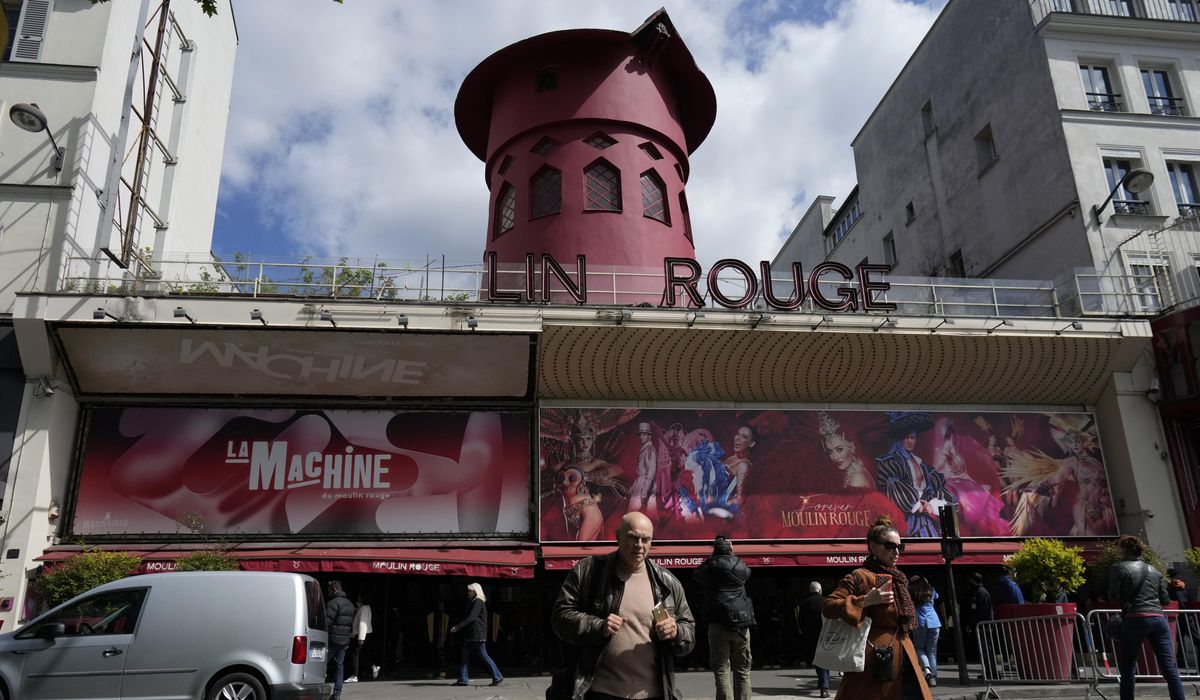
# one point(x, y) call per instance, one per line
point(50, 630)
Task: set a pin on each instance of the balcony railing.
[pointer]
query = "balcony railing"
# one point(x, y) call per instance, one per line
point(1188, 211)
point(1085, 292)
point(1169, 10)
point(1168, 106)
point(1105, 102)
point(1131, 206)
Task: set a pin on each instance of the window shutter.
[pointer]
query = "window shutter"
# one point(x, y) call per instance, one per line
point(31, 30)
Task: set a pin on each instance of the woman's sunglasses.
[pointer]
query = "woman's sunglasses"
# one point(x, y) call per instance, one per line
point(892, 546)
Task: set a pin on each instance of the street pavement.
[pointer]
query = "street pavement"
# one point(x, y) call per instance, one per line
point(778, 684)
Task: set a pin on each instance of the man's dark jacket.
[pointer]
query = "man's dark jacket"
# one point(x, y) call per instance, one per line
point(810, 620)
point(475, 623)
point(724, 577)
point(339, 619)
point(581, 615)
point(981, 607)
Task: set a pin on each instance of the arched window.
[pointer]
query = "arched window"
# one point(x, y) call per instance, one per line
point(654, 198)
point(687, 219)
point(603, 189)
point(545, 192)
point(600, 141)
point(547, 79)
point(506, 210)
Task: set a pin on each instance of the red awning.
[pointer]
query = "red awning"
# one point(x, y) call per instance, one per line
point(481, 563)
point(772, 554)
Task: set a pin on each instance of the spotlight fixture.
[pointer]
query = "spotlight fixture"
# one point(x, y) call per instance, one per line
point(943, 322)
point(44, 388)
point(824, 319)
point(887, 321)
point(33, 120)
point(102, 313)
point(624, 315)
point(181, 312)
point(327, 315)
point(757, 318)
point(256, 315)
point(695, 315)
point(472, 322)
point(1073, 325)
point(1004, 322)
point(402, 320)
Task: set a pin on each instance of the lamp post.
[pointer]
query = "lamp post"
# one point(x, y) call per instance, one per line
point(1136, 181)
point(33, 120)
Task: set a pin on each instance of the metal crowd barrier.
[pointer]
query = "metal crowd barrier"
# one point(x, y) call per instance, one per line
point(1034, 650)
point(1069, 648)
point(1185, 642)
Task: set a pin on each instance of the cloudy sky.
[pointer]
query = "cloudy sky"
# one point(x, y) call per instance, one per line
point(342, 142)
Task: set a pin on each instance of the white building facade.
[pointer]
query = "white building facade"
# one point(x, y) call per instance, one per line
point(135, 97)
point(992, 169)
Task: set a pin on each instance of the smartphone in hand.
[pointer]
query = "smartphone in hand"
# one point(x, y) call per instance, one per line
point(883, 582)
point(660, 613)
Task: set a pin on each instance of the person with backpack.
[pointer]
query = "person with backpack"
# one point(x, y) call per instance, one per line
point(730, 615)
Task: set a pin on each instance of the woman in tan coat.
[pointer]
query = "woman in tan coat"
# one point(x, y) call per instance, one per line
point(862, 593)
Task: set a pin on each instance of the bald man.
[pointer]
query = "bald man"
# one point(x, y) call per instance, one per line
point(627, 618)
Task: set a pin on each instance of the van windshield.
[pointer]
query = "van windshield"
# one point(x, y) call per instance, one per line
point(316, 605)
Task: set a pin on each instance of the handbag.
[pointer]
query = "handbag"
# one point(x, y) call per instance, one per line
point(842, 646)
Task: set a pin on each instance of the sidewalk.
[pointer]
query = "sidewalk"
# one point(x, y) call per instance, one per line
point(783, 684)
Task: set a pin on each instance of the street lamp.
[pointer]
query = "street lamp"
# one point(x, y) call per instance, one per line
point(1135, 181)
point(31, 119)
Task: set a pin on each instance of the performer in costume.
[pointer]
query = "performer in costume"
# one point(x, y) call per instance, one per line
point(843, 453)
point(914, 486)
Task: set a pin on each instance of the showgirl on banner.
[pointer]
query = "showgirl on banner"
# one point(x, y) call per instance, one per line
point(770, 474)
point(201, 471)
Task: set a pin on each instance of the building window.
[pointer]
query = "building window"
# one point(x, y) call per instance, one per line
point(846, 218)
point(985, 149)
point(687, 218)
point(603, 189)
point(1099, 89)
point(1183, 10)
point(547, 79)
point(649, 149)
point(599, 141)
point(654, 198)
point(1120, 8)
point(889, 249)
point(1159, 94)
point(910, 213)
point(1062, 5)
point(1186, 189)
point(506, 210)
point(505, 164)
point(12, 16)
point(1148, 279)
point(1124, 201)
point(545, 146)
point(956, 267)
point(927, 119)
point(545, 192)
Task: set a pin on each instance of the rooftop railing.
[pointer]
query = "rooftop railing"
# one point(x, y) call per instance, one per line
point(1169, 10)
point(1083, 292)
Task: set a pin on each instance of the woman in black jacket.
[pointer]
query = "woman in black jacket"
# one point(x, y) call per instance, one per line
point(475, 637)
point(1142, 591)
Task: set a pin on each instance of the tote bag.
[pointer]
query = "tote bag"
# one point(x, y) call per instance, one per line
point(842, 646)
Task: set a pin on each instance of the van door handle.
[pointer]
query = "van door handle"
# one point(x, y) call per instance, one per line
point(112, 651)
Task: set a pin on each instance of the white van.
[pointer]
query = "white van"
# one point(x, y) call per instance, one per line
point(203, 635)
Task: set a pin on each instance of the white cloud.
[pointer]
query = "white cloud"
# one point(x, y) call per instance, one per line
point(342, 127)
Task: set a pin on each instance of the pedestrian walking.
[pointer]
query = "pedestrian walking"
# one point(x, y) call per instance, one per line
point(879, 591)
point(980, 610)
point(474, 642)
point(339, 619)
point(929, 626)
point(810, 619)
point(1141, 591)
point(730, 615)
point(626, 618)
point(360, 628)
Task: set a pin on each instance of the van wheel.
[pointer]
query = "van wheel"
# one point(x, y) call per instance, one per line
point(237, 686)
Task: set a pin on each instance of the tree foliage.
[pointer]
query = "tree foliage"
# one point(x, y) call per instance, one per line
point(82, 572)
point(215, 559)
